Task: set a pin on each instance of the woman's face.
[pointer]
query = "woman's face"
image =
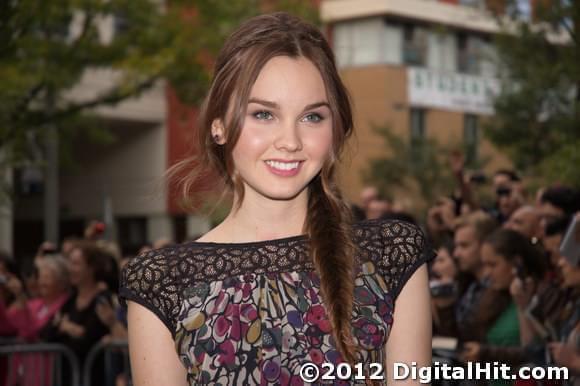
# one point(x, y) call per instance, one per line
point(444, 267)
point(48, 282)
point(497, 269)
point(78, 268)
point(287, 131)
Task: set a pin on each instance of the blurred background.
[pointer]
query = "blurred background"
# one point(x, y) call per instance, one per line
point(461, 107)
point(98, 100)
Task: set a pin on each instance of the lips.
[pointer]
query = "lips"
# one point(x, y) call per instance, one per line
point(284, 168)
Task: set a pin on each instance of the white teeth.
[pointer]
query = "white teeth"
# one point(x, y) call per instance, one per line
point(283, 165)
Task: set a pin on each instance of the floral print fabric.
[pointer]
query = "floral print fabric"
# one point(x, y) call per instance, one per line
point(258, 325)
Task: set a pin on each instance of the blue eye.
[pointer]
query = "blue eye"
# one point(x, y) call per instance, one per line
point(313, 117)
point(263, 115)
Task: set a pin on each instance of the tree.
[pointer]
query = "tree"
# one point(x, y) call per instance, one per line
point(47, 46)
point(537, 119)
point(420, 163)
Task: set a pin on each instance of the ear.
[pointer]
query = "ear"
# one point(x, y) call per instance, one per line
point(218, 132)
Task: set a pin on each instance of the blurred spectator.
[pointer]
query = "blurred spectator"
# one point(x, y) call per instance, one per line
point(558, 202)
point(377, 208)
point(509, 194)
point(554, 232)
point(457, 314)
point(444, 268)
point(8, 270)
point(29, 316)
point(78, 325)
point(95, 230)
point(67, 245)
point(507, 256)
point(441, 221)
point(526, 220)
point(368, 194)
point(566, 351)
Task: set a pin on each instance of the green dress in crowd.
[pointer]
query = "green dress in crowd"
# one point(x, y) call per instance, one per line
point(505, 332)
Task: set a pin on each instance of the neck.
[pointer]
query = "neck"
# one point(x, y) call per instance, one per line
point(260, 218)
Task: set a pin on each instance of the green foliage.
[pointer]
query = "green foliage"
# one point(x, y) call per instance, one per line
point(422, 164)
point(537, 118)
point(47, 46)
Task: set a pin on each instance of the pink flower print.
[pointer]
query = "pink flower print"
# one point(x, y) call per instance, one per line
point(296, 381)
point(316, 356)
point(227, 353)
point(222, 325)
point(316, 315)
point(248, 312)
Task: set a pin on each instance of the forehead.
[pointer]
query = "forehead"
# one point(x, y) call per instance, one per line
point(465, 233)
point(286, 80)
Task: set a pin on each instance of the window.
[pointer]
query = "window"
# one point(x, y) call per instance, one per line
point(366, 42)
point(418, 131)
point(470, 138)
point(414, 45)
point(475, 55)
point(442, 51)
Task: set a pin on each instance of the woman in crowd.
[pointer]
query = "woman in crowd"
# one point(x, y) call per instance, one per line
point(78, 325)
point(506, 255)
point(29, 316)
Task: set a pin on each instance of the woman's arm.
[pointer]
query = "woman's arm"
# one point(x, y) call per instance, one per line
point(410, 337)
point(152, 350)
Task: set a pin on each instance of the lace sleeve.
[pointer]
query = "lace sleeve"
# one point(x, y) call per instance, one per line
point(405, 249)
point(147, 280)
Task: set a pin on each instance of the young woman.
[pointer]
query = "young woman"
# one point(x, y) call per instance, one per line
point(507, 255)
point(285, 279)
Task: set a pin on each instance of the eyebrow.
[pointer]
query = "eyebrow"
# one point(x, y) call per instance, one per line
point(274, 105)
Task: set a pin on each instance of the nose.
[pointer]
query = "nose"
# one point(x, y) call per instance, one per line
point(288, 138)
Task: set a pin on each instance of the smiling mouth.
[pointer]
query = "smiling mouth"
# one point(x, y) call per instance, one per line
point(283, 165)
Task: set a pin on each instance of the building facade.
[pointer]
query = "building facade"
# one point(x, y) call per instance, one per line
point(423, 68)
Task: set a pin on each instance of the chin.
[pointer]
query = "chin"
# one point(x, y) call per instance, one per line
point(282, 195)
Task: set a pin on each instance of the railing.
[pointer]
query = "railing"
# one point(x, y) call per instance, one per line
point(113, 368)
point(38, 364)
point(48, 364)
point(106, 364)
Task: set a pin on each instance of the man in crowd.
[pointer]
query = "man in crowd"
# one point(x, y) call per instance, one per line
point(456, 313)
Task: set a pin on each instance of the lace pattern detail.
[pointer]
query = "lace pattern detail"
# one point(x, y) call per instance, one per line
point(157, 279)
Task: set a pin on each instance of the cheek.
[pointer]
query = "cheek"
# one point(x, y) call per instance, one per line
point(250, 143)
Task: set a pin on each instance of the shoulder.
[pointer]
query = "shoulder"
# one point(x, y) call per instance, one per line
point(401, 249)
point(155, 280)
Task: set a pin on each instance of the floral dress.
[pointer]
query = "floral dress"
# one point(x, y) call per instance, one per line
point(251, 313)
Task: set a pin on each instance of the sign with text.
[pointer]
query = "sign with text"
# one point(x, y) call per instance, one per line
point(451, 91)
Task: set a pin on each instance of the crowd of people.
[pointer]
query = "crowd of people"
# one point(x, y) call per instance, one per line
point(500, 285)
point(502, 288)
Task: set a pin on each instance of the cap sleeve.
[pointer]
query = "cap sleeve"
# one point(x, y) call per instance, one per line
point(147, 280)
point(405, 249)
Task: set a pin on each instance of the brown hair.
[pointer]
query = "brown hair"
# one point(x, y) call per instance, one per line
point(328, 221)
point(482, 223)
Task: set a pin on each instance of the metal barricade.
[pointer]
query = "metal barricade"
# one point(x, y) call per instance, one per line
point(115, 364)
point(38, 364)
